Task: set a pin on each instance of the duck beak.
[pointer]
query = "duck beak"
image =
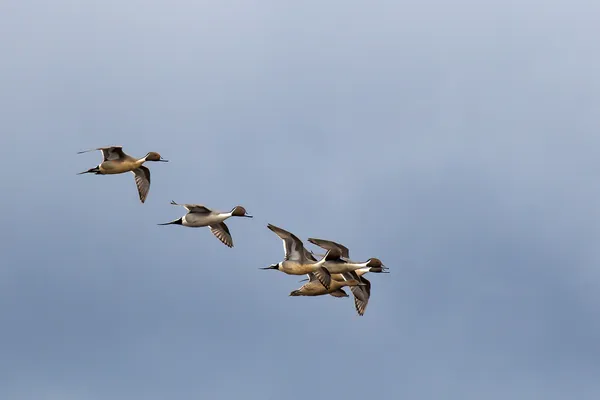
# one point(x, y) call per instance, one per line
point(248, 216)
point(163, 160)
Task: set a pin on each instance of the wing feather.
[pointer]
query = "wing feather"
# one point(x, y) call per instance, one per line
point(329, 245)
point(292, 246)
point(221, 232)
point(142, 181)
point(361, 296)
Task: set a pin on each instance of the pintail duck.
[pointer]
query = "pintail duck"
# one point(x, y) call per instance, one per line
point(316, 288)
point(296, 260)
point(362, 292)
point(116, 161)
point(338, 261)
point(200, 216)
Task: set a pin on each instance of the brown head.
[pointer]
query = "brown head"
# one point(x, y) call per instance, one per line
point(239, 211)
point(375, 262)
point(153, 156)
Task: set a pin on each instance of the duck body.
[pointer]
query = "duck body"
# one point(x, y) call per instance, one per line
point(128, 164)
point(199, 216)
point(316, 288)
point(197, 220)
point(116, 161)
point(292, 267)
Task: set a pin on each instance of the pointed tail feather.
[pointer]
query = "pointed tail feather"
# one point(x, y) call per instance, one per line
point(178, 221)
point(94, 170)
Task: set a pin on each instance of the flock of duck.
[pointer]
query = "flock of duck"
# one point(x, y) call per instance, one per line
point(326, 276)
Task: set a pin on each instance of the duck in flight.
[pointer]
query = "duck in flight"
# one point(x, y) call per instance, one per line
point(298, 261)
point(316, 288)
point(200, 216)
point(361, 292)
point(116, 161)
point(338, 261)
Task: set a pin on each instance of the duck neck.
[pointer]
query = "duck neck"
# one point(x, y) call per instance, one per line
point(320, 262)
point(361, 265)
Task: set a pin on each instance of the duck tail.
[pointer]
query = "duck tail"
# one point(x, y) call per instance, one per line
point(178, 221)
point(94, 170)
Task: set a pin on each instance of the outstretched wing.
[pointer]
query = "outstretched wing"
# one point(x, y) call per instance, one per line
point(221, 231)
point(309, 256)
point(292, 246)
point(109, 153)
point(142, 181)
point(361, 296)
point(193, 208)
point(329, 245)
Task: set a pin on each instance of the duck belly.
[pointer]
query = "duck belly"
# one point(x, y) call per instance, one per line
point(198, 220)
point(314, 289)
point(295, 268)
point(112, 167)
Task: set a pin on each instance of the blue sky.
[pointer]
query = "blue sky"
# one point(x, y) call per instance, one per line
point(458, 142)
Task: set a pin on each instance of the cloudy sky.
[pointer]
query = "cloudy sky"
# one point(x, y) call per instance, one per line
point(457, 141)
